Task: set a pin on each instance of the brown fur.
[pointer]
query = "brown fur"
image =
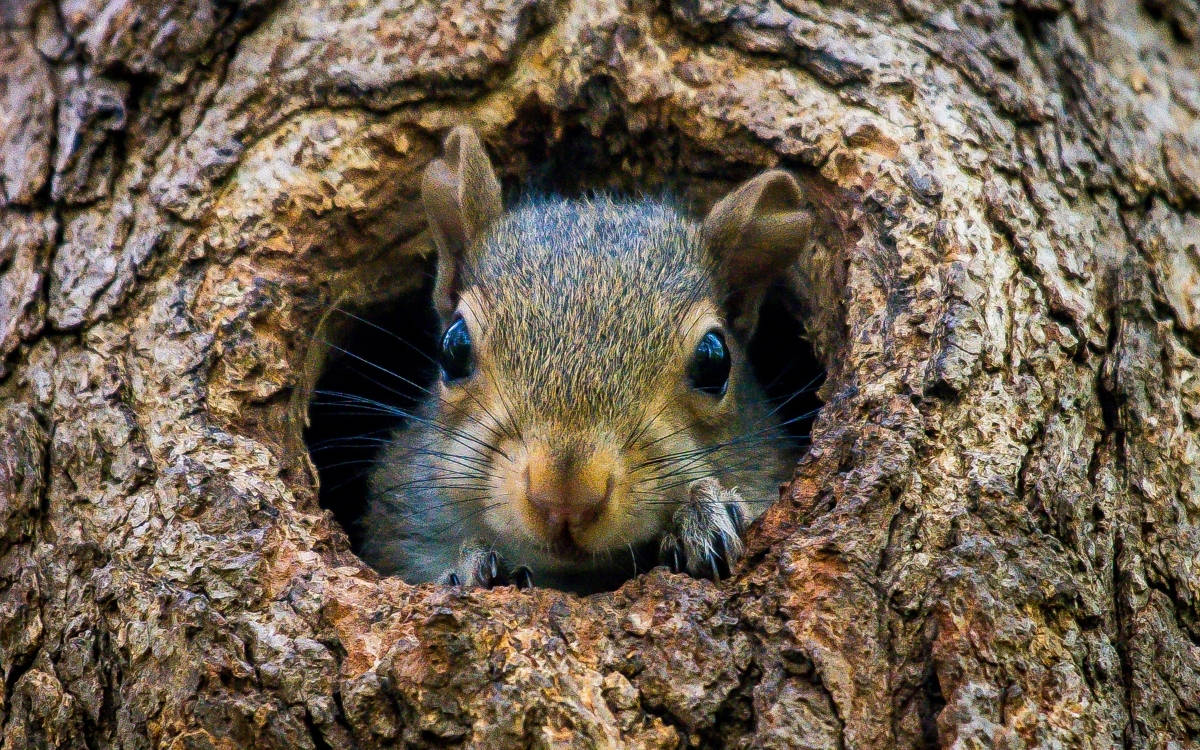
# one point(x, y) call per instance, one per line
point(584, 315)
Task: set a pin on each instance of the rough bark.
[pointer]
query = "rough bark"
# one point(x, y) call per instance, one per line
point(992, 543)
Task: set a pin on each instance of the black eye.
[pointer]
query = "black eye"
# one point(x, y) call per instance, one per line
point(709, 370)
point(455, 357)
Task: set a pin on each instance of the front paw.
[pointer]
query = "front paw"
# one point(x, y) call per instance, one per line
point(705, 539)
point(481, 566)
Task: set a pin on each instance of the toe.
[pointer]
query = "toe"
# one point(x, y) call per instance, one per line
point(737, 516)
point(671, 553)
point(489, 571)
point(720, 562)
point(523, 577)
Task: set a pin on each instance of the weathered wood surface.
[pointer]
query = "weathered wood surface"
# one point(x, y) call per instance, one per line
point(993, 543)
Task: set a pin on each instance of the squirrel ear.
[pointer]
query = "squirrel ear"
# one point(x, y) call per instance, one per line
point(753, 235)
point(462, 198)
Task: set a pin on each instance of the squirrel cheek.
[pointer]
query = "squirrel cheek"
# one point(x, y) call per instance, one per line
point(508, 484)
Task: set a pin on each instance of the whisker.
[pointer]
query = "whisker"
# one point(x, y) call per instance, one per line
point(690, 463)
point(450, 432)
point(469, 516)
point(368, 405)
point(692, 475)
point(381, 329)
point(737, 440)
point(413, 384)
point(436, 395)
point(410, 512)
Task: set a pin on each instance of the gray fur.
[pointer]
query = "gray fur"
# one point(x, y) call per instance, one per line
point(584, 297)
point(583, 300)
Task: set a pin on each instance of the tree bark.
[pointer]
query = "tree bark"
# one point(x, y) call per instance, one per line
point(993, 541)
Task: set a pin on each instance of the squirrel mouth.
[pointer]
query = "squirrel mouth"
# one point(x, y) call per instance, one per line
point(564, 546)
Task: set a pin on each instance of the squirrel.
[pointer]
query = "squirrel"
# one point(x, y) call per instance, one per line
point(595, 406)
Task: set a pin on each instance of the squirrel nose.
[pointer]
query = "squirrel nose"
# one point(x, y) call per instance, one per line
point(568, 494)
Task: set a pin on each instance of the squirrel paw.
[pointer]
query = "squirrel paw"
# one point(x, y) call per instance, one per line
point(481, 566)
point(706, 532)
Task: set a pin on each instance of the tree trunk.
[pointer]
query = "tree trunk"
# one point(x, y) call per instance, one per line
point(992, 542)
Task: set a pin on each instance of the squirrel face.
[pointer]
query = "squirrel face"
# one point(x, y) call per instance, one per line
point(593, 356)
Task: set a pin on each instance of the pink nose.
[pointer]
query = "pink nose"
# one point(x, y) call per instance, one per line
point(568, 497)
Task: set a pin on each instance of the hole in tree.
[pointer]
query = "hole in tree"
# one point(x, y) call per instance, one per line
point(386, 363)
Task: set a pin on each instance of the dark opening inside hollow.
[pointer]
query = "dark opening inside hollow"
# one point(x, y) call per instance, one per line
point(380, 367)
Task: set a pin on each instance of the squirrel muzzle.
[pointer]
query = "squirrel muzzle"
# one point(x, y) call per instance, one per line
point(567, 491)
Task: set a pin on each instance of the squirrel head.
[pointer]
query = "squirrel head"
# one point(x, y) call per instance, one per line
point(593, 360)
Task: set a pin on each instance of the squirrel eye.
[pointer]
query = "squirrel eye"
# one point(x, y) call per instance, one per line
point(455, 356)
point(709, 370)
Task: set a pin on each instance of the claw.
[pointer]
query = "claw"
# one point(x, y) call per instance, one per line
point(479, 564)
point(737, 515)
point(705, 540)
point(523, 577)
point(487, 573)
point(674, 556)
point(719, 559)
